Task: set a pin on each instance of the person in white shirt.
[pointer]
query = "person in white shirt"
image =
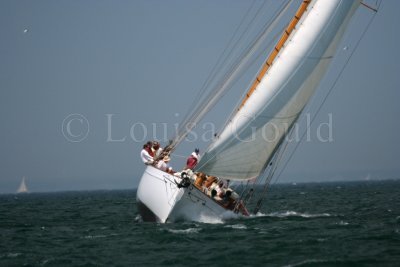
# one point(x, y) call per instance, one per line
point(145, 155)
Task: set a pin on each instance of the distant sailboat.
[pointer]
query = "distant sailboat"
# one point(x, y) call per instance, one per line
point(22, 187)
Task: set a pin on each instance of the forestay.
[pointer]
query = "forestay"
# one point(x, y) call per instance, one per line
point(206, 103)
point(250, 139)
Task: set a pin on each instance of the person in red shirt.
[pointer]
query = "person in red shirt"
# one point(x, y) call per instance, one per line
point(192, 160)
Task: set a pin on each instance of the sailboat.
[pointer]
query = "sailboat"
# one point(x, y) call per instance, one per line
point(256, 130)
point(22, 187)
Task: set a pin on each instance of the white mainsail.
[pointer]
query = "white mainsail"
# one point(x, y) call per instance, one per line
point(22, 187)
point(250, 139)
point(248, 142)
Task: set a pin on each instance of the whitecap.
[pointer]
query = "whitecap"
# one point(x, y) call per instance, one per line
point(44, 262)
point(306, 262)
point(94, 236)
point(209, 219)
point(99, 236)
point(184, 231)
point(316, 215)
point(236, 226)
point(13, 255)
point(297, 214)
point(258, 214)
point(138, 218)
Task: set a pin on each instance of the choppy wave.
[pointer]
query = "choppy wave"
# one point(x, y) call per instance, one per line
point(98, 236)
point(46, 261)
point(138, 218)
point(306, 262)
point(10, 255)
point(284, 214)
point(184, 231)
point(94, 236)
point(236, 226)
point(95, 229)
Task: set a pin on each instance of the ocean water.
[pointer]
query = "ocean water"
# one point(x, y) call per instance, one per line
point(323, 224)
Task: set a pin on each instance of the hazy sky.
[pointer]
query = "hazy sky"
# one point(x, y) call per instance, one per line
point(83, 84)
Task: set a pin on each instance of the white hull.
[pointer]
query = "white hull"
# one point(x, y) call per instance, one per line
point(196, 206)
point(159, 199)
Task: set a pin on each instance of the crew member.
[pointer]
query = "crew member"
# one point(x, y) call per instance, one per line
point(193, 159)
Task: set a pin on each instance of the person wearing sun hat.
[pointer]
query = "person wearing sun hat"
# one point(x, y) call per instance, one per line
point(164, 166)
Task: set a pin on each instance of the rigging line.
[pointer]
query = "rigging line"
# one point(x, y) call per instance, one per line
point(369, 7)
point(244, 59)
point(212, 73)
point(281, 9)
point(267, 180)
point(241, 36)
point(240, 100)
point(251, 48)
point(177, 155)
point(232, 70)
point(326, 96)
point(259, 35)
point(243, 189)
point(202, 109)
point(275, 163)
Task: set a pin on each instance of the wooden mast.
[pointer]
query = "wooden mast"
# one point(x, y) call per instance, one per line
point(279, 45)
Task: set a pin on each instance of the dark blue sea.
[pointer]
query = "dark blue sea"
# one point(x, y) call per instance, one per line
point(316, 224)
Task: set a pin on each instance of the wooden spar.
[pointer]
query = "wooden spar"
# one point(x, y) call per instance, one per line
point(277, 48)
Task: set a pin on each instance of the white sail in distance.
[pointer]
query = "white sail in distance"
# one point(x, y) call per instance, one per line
point(22, 187)
point(250, 139)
